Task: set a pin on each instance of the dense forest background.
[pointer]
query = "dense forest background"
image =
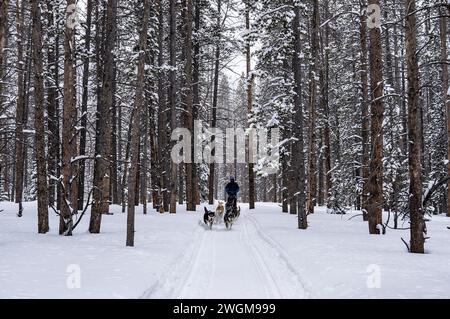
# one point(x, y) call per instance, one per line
point(91, 90)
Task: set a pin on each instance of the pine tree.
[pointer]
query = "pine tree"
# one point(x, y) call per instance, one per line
point(251, 172)
point(42, 191)
point(21, 118)
point(102, 172)
point(418, 227)
point(297, 148)
point(375, 202)
point(69, 197)
point(138, 104)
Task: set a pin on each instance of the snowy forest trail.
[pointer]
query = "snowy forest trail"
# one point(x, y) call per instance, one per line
point(265, 255)
point(227, 264)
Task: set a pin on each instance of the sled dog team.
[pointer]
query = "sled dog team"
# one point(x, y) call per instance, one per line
point(219, 215)
point(229, 213)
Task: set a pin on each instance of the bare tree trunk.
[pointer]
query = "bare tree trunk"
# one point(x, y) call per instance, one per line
point(4, 166)
point(364, 115)
point(52, 103)
point(3, 40)
point(375, 203)
point(190, 189)
point(154, 154)
point(115, 135)
point(120, 167)
point(172, 101)
point(327, 141)
point(275, 188)
point(212, 166)
point(102, 163)
point(84, 102)
point(196, 91)
point(42, 192)
point(181, 180)
point(163, 205)
point(69, 150)
point(145, 154)
point(446, 92)
point(125, 170)
point(5, 141)
point(326, 132)
point(314, 70)
point(284, 182)
point(251, 172)
point(418, 227)
point(27, 90)
point(20, 109)
point(320, 173)
point(138, 102)
point(138, 172)
point(297, 147)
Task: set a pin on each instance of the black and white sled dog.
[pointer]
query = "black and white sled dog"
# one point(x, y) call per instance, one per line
point(231, 216)
point(209, 218)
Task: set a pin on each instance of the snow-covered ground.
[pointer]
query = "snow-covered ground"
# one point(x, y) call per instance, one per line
point(263, 256)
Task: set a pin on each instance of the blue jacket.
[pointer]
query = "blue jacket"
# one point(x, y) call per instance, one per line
point(232, 188)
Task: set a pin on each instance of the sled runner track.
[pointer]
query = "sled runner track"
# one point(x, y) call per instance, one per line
point(191, 286)
point(227, 264)
point(271, 288)
point(281, 255)
point(177, 276)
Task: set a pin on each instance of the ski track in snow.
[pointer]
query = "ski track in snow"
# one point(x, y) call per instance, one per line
point(281, 257)
point(177, 274)
point(220, 262)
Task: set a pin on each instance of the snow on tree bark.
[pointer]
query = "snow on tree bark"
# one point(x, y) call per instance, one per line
point(138, 103)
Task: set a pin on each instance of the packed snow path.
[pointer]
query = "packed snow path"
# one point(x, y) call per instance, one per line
point(226, 264)
point(263, 256)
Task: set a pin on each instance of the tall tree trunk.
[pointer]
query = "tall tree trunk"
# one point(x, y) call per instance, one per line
point(297, 147)
point(138, 102)
point(327, 142)
point(446, 92)
point(190, 189)
point(196, 91)
point(127, 160)
point(172, 101)
point(20, 109)
point(365, 122)
point(286, 187)
point(3, 40)
point(163, 205)
point(139, 169)
point(153, 143)
point(84, 104)
point(27, 90)
point(145, 154)
point(418, 227)
point(102, 164)
point(326, 132)
point(212, 166)
point(275, 188)
point(314, 72)
point(181, 180)
point(285, 177)
point(69, 150)
point(320, 172)
point(115, 135)
point(4, 165)
point(251, 172)
point(375, 202)
point(42, 192)
point(52, 103)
